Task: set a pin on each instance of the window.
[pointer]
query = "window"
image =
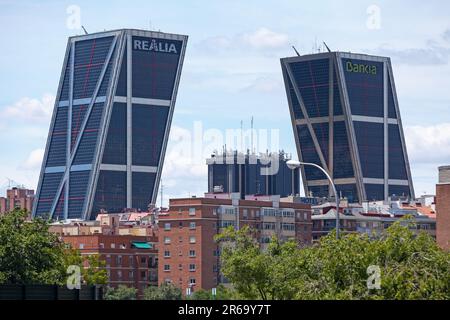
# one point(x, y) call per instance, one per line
point(216, 253)
point(305, 216)
point(131, 261)
point(119, 274)
point(191, 225)
point(167, 280)
point(226, 223)
point(180, 267)
point(215, 211)
point(180, 239)
point(192, 239)
point(81, 246)
point(167, 226)
point(288, 226)
point(215, 268)
point(180, 224)
point(192, 211)
point(119, 260)
point(191, 253)
point(143, 275)
point(102, 245)
point(167, 267)
point(123, 246)
point(130, 274)
point(192, 281)
point(143, 260)
point(113, 245)
point(268, 226)
point(192, 267)
point(166, 240)
point(245, 213)
point(287, 214)
point(167, 254)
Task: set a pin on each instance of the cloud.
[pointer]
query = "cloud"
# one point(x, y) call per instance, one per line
point(264, 38)
point(435, 52)
point(446, 35)
point(30, 109)
point(428, 144)
point(34, 160)
point(434, 55)
point(265, 84)
point(259, 39)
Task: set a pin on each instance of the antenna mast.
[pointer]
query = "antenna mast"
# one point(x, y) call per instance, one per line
point(252, 135)
point(162, 188)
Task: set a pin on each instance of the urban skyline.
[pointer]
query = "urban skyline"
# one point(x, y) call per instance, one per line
point(251, 48)
point(287, 151)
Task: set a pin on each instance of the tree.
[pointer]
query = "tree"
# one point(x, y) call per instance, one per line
point(122, 292)
point(222, 293)
point(29, 253)
point(166, 291)
point(92, 267)
point(257, 274)
point(408, 265)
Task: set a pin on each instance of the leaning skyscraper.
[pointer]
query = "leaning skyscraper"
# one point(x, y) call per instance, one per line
point(346, 118)
point(110, 123)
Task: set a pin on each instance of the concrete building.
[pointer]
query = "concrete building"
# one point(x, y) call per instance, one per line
point(370, 218)
point(443, 208)
point(346, 118)
point(250, 173)
point(188, 255)
point(110, 125)
point(128, 245)
point(17, 197)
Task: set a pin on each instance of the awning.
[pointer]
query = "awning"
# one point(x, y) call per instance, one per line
point(141, 245)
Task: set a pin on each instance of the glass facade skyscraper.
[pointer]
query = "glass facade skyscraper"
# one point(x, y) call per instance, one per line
point(346, 118)
point(252, 174)
point(110, 123)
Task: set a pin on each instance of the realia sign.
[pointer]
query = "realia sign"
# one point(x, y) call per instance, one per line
point(155, 45)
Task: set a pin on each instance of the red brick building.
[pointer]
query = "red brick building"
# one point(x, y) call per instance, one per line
point(129, 251)
point(188, 255)
point(17, 198)
point(443, 208)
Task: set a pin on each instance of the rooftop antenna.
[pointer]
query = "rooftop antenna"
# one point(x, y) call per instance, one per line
point(298, 54)
point(252, 136)
point(242, 146)
point(162, 188)
point(84, 29)
point(326, 47)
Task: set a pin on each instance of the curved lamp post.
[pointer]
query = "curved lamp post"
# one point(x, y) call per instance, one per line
point(293, 164)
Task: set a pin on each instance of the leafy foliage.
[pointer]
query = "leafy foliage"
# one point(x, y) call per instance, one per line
point(412, 266)
point(222, 293)
point(166, 291)
point(29, 253)
point(122, 292)
point(92, 267)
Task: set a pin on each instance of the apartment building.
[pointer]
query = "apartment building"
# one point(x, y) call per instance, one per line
point(189, 257)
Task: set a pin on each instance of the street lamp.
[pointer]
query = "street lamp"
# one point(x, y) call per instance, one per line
point(293, 164)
